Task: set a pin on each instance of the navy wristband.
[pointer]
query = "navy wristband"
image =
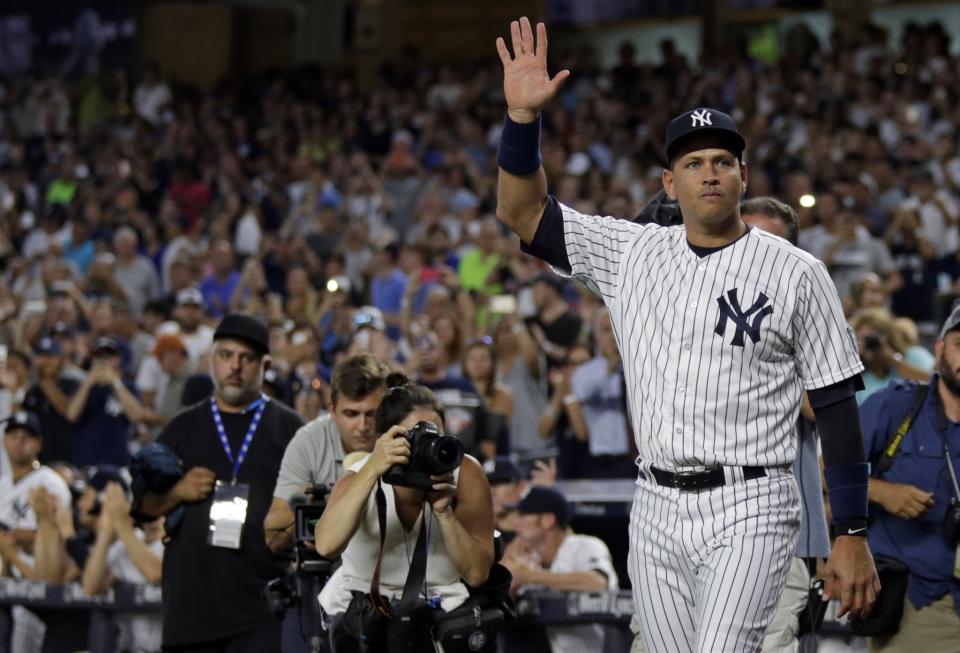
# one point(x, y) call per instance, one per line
point(848, 494)
point(519, 152)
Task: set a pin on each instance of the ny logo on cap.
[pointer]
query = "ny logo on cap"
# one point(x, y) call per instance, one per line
point(741, 318)
point(700, 118)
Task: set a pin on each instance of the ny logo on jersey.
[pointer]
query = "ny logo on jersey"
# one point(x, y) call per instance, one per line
point(701, 118)
point(741, 318)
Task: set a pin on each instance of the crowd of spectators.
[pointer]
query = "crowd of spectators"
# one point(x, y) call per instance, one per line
point(360, 218)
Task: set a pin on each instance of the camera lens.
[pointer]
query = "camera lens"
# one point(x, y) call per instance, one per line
point(447, 453)
point(444, 455)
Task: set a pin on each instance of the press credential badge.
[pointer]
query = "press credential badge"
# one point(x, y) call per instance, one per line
point(228, 512)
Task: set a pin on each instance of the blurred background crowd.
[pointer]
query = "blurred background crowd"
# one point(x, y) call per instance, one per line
point(358, 215)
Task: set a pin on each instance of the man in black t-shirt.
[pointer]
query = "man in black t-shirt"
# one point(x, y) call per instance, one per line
point(555, 327)
point(49, 399)
point(212, 600)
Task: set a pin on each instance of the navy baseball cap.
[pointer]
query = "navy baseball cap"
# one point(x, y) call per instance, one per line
point(103, 474)
point(47, 346)
point(953, 321)
point(501, 470)
point(704, 121)
point(24, 419)
point(106, 344)
point(190, 297)
point(61, 329)
point(553, 280)
point(541, 500)
point(246, 328)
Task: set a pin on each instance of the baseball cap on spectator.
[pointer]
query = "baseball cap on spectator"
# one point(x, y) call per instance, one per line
point(369, 317)
point(704, 121)
point(61, 329)
point(102, 474)
point(272, 380)
point(554, 281)
point(167, 343)
point(106, 345)
point(47, 346)
point(544, 500)
point(501, 470)
point(953, 320)
point(246, 328)
point(24, 419)
point(190, 297)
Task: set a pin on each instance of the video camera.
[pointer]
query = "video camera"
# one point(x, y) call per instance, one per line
point(431, 454)
point(312, 569)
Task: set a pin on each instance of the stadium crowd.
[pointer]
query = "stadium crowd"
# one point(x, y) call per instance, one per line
point(135, 213)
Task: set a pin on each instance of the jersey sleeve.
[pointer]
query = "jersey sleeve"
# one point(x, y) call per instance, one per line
point(587, 247)
point(595, 556)
point(295, 471)
point(825, 346)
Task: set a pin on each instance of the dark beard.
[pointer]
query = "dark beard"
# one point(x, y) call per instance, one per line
point(948, 376)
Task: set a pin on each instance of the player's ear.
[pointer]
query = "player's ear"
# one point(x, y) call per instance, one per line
point(666, 177)
point(743, 178)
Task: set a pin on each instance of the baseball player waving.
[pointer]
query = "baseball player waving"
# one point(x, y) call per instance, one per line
point(721, 328)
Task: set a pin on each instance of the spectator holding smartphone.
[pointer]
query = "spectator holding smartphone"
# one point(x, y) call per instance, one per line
point(105, 409)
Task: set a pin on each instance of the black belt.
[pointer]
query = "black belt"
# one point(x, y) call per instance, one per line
point(705, 480)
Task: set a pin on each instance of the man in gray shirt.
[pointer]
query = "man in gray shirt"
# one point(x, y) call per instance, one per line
point(134, 272)
point(315, 455)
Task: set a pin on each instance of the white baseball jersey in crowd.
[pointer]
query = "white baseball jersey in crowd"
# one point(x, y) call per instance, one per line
point(717, 349)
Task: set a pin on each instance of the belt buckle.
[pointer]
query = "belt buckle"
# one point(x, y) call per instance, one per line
point(687, 481)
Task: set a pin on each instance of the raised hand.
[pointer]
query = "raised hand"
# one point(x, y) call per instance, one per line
point(527, 86)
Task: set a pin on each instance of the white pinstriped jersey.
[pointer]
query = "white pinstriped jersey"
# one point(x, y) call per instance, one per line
point(716, 350)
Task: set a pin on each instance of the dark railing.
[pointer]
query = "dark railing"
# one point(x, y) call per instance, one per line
point(540, 608)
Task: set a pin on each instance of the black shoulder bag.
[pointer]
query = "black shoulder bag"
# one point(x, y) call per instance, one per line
point(894, 574)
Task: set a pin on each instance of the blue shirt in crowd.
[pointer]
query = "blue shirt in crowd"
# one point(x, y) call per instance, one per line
point(103, 432)
point(218, 295)
point(920, 461)
point(386, 293)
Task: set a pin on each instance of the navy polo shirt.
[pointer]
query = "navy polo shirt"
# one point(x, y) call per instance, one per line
point(920, 462)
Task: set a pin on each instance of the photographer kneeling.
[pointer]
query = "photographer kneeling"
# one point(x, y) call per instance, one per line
point(443, 522)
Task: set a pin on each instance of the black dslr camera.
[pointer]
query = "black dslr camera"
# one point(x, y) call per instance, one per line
point(431, 454)
point(951, 523)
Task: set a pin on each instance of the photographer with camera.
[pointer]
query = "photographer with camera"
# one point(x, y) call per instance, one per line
point(883, 352)
point(413, 524)
point(316, 453)
point(312, 462)
point(912, 437)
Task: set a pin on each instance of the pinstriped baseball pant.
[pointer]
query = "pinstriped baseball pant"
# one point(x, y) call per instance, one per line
point(708, 567)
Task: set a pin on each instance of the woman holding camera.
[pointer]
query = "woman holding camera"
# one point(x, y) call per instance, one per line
point(458, 532)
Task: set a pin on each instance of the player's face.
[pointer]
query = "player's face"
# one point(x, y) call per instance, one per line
point(354, 419)
point(707, 183)
point(504, 494)
point(530, 528)
point(22, 446)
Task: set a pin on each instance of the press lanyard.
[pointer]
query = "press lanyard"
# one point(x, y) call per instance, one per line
point(248, 438)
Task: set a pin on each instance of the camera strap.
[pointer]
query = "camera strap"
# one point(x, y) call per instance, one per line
point(893, 444)
point(953, 472)
point(418, 567)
